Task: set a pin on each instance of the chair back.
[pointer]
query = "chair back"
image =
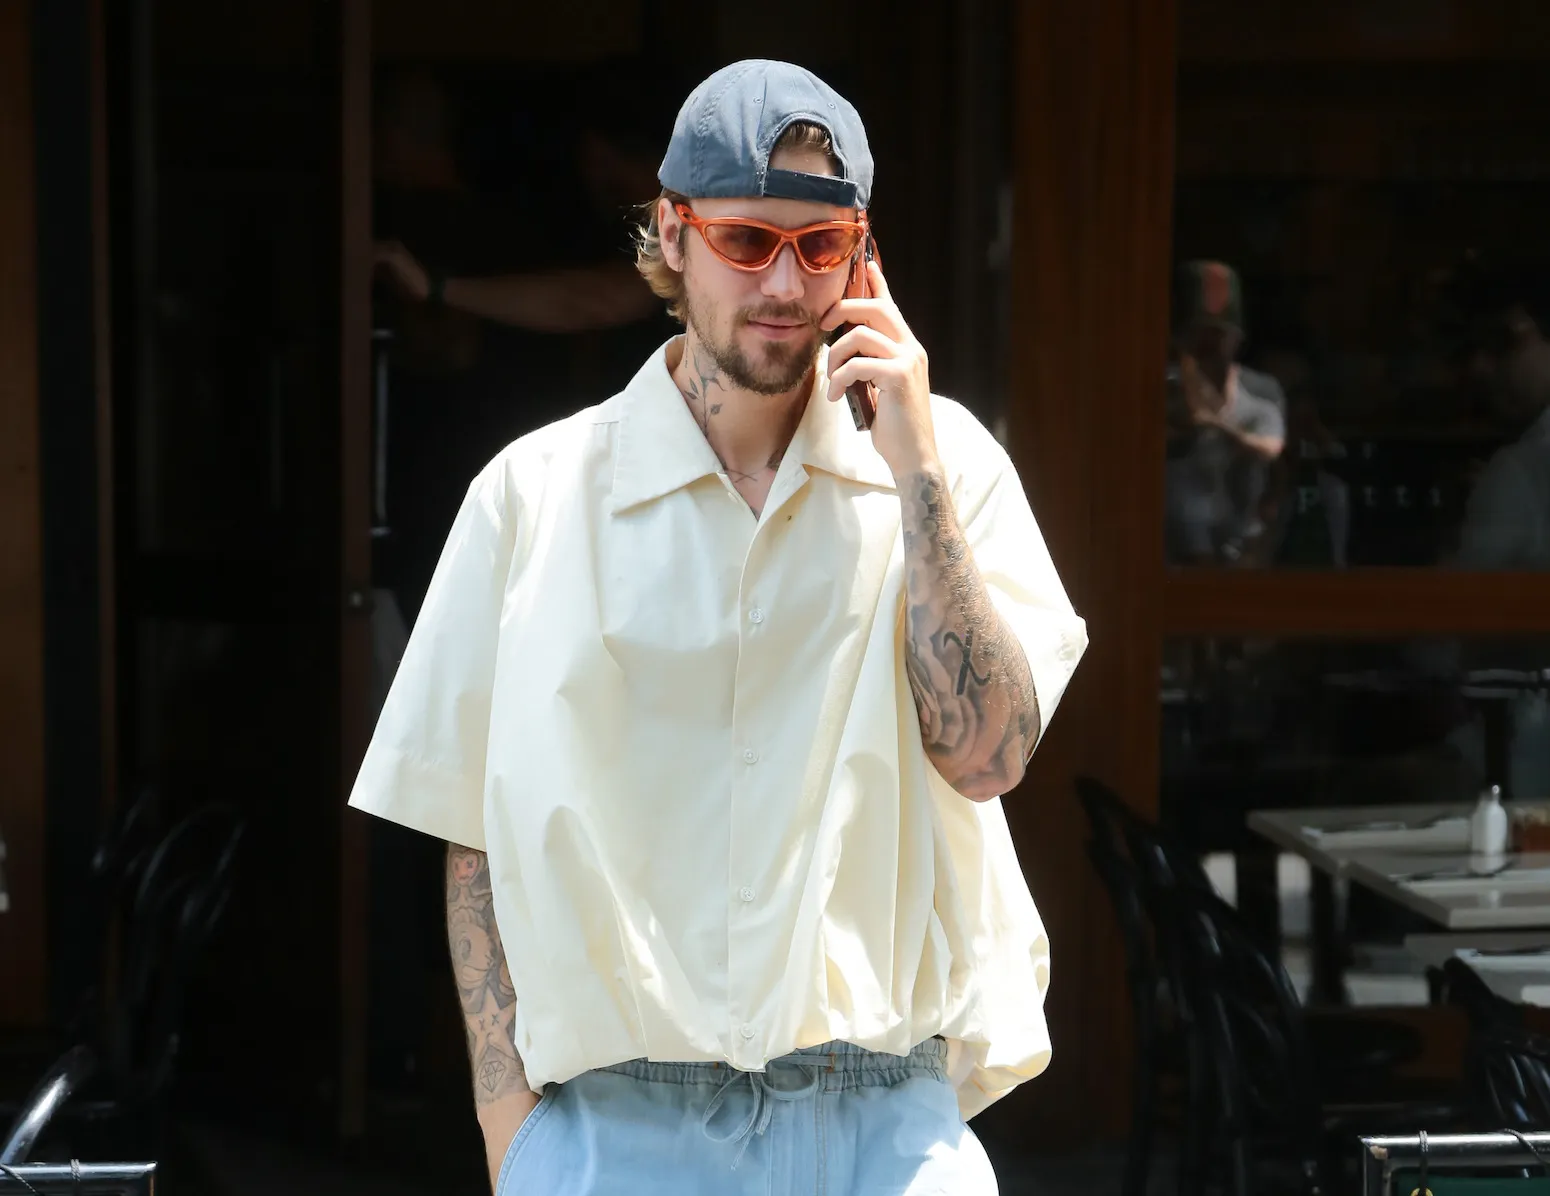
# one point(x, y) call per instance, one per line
point(1506, 1065)
point(67, 1074)
point(177, 901)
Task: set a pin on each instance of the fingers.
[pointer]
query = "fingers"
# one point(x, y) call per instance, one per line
point(879, 283)
point(861, 341)
point(877, 313)
point(891, 373)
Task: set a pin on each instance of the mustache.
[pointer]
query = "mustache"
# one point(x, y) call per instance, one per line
point(783, 311)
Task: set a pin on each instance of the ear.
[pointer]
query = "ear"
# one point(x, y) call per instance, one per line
point(671, 229)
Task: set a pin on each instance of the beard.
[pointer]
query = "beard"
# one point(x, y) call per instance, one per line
point(781, 365)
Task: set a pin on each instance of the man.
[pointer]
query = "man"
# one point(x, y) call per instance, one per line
point(1507, 521)
point(712, 695)
point(1227, 422)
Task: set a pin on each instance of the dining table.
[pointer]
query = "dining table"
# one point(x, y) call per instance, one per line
point(1416, 856)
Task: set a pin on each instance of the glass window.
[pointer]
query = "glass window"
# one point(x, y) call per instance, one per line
point(1359, 364)
point(1264, 724)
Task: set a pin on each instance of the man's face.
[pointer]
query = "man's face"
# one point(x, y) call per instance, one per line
point(761, 328)
point(1213, 348)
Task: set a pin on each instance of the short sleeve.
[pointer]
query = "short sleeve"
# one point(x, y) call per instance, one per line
point(425, 765)
point(1264, 418)
point(1492, 534)
point(1012, 558)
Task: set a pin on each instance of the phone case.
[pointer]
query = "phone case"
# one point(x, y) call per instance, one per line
point(861, 395)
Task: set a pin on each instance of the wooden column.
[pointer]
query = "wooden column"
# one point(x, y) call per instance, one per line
point(354, 307)
point(1093, 174)
point(24, 994)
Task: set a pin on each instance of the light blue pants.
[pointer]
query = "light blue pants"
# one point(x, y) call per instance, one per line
point(833, 1120)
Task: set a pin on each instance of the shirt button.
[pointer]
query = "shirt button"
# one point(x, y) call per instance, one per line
point(756, 615)
point(750, 756)
point(746, 1031)
point(745, 893)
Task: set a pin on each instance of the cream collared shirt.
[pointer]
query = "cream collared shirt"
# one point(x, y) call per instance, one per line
point(685, 738)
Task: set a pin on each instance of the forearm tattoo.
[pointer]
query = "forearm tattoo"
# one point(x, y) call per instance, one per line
point(483, 981)
point(979, 715)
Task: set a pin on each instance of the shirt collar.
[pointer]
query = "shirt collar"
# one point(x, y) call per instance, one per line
point(661, 447)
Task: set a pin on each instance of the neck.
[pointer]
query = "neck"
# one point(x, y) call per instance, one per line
point(748, 432)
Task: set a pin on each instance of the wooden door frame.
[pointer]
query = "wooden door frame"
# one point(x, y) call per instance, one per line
point(1093, 190)
point(355, 268)
point(24, 995)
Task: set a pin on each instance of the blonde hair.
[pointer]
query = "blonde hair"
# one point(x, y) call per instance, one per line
point(667, 283)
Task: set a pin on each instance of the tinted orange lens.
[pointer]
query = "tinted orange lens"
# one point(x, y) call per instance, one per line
point(742, 242)
point(828, 248)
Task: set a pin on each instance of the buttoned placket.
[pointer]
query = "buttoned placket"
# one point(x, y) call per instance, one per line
point(756, 614)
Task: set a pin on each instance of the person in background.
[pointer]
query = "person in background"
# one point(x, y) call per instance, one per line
point(482, 312)
point(1227, 423)
point(464, 170)
point(712, 697)
point(601, 294)
point(1506, 523)
point(1507, 519)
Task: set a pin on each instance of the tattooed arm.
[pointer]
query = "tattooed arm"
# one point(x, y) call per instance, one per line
point(979, 716)
point(502, 1098)
point(979, 713)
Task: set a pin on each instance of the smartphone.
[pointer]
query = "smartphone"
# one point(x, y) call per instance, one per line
point(861, 395)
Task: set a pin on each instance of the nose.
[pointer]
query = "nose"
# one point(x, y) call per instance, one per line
point(783, 277)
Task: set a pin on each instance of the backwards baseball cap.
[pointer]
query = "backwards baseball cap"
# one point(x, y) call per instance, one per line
point(1207, 294)
point(729, 125)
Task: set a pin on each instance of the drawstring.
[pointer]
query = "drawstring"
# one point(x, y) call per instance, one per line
point(764, 1096)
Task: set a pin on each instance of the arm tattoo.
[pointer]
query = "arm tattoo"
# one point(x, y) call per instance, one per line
point(483, 981)
point(979, 715)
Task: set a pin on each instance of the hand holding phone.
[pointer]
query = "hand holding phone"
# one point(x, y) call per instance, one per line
point(861, 395)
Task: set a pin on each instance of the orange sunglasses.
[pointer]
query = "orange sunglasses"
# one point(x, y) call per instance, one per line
point(751, 245)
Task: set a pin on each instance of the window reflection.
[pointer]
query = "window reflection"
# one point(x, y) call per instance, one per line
point(1261, 725)
point(1253, 724)
point(1359, 369)
point(1226, 424)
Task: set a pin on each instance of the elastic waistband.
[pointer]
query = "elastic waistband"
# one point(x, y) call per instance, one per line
point(836, 1064)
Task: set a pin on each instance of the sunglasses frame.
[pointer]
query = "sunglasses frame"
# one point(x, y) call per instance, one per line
point(786, 236)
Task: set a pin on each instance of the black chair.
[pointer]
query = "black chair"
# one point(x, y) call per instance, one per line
point(176, 895)
point(122, 851)
point(52, 1091)
point(1460, 985)
point(1159, 1020)
point(1211, 1002)
point(1506, 1065)
point(1268, 1091)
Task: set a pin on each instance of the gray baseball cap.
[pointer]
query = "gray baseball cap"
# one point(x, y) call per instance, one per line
point(725, 131)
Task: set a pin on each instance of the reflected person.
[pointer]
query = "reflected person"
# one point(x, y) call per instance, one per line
point(1507, 519)
point(1226, 423)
